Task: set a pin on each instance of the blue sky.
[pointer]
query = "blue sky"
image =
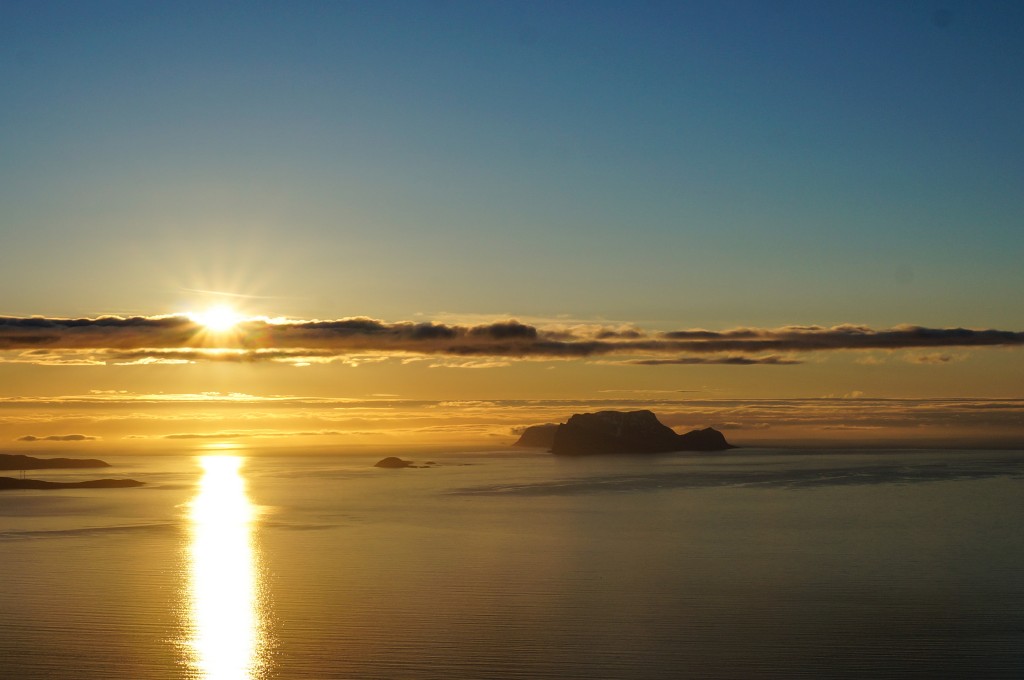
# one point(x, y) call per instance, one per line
point(685, 163)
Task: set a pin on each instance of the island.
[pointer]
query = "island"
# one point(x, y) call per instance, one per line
point(11, 483)
point(396, 463)
point(12, 461)
point(619, 432)
point(538, 435)
point(393, 462)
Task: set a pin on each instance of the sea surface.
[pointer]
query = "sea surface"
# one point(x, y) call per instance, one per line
point(753, 563)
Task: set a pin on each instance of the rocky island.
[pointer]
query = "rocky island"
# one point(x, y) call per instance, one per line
point(619, 432)
point(396, 463)
point(393, 462)
point(538, 435)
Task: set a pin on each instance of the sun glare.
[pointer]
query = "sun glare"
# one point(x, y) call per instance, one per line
point(217, 319)
point(226, 635)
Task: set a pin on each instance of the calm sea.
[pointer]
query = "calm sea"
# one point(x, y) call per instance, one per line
point(748, 564)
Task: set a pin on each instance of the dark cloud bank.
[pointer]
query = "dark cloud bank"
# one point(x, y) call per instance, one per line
point(179, 338)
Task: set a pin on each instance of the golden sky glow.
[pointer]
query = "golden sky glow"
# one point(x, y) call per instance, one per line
point(98, 422)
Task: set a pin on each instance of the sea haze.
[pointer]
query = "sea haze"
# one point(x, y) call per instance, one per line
point(745, 564)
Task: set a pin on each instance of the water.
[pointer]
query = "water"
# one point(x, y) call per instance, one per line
point(748, 564)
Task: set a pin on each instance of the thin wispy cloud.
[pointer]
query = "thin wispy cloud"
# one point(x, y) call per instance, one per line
point(237, 296)
point(245, 434)
point(936, 358)
point(771, 360)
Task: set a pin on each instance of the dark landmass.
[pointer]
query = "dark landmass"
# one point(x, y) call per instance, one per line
point(538, 435)
point(7, 483)
point(392, 462)
point(12, 461)
point(619, 432)
point(396, 463)
point(708, 439)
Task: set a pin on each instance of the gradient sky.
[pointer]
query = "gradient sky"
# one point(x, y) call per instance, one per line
point(652, 166)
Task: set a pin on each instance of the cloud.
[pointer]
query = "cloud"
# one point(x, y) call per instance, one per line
point(215, 435)
point(179, 339)
point(472, 363)
point(870, 360)
point(57, 438)
point(846, 336)
point(936, 358)
point(771, 360)
point(741, 426)
point(647, 392)
point(242, 434)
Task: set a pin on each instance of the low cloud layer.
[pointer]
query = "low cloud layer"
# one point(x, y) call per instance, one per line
point(846, 336)
point(179, 339)
point(771, 360)
point(57, 438)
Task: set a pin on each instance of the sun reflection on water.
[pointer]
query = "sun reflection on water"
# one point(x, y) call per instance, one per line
point(227, 640)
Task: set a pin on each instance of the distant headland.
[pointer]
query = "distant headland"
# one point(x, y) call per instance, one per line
point(619, 432)
point(10, 483)
point(12, 461)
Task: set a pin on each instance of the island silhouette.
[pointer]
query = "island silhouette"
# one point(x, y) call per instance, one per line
point(14, 461)
point(11, 483)
point(618, 432)
point(10, 461)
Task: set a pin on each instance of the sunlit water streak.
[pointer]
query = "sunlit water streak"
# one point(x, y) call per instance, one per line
point(227, 631)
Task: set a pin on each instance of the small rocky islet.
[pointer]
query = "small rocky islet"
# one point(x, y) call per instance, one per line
point(396, 463)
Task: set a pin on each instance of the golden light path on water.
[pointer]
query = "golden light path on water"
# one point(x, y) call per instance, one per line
point(226, 628)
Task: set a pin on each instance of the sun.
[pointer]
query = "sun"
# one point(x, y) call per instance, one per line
point(217, 319)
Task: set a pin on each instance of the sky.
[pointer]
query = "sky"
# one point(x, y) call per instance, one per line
point(443, 221)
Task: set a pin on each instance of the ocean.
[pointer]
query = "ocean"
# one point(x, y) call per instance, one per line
point(753, 563)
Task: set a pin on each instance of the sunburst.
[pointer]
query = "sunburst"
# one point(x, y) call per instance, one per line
point(217, 319)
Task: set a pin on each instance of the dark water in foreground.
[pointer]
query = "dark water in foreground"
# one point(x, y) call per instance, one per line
point(751, 564)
